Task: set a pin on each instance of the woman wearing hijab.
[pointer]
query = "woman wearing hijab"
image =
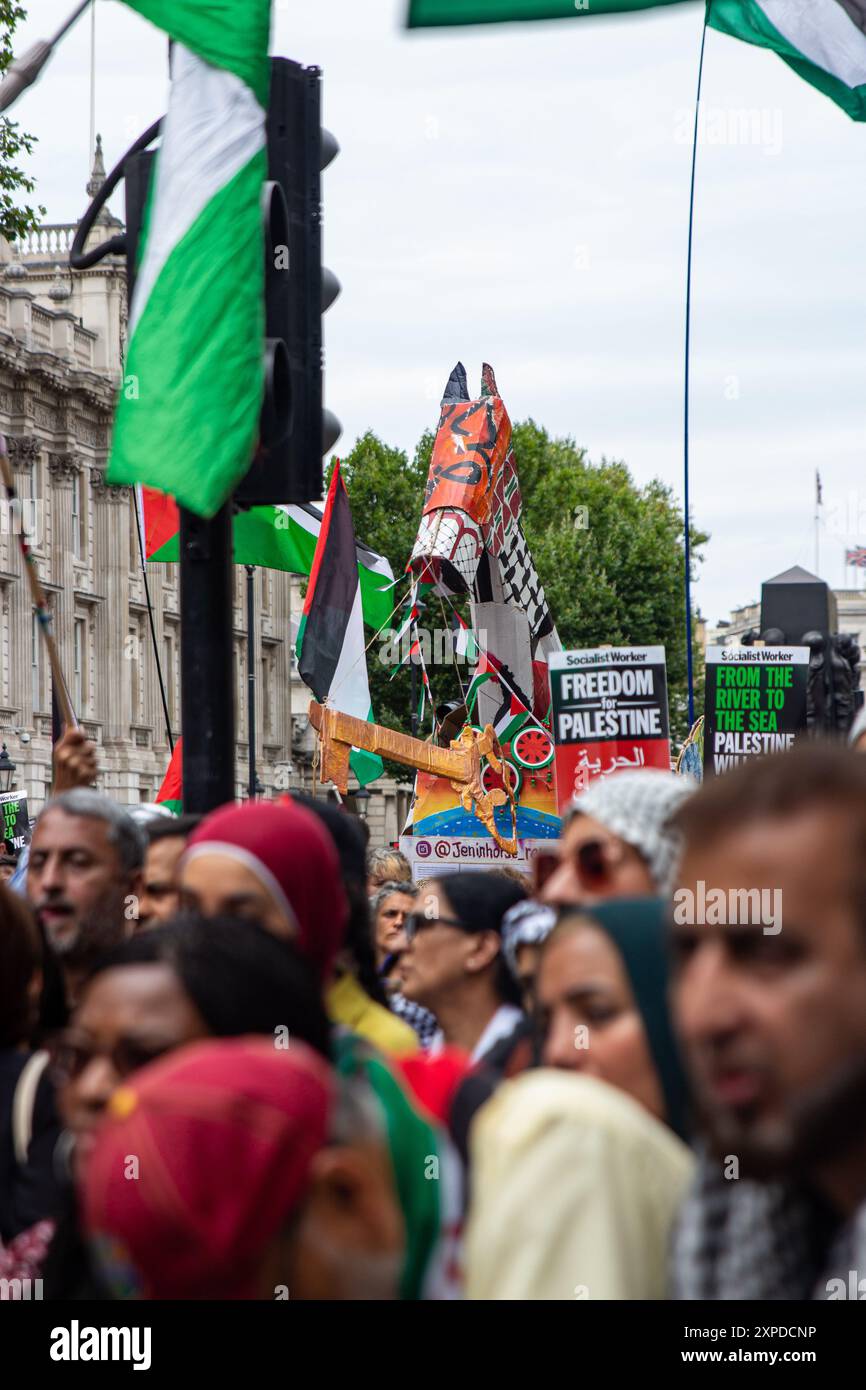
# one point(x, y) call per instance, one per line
point(579, 1167)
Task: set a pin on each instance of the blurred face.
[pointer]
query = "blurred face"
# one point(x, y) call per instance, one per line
point(441, 958)
point(774, 1022)
point(127, 1017)
point(76, 885)
point(592, 864)
point(160, 894)
point(588, 1017)
point(215, 885)
point(349, 1241)
point(384, 873)
point(390, 923)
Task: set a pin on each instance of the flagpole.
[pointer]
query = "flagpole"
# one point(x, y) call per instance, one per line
point(92, 81)
point(686, 518)
point(139, 527)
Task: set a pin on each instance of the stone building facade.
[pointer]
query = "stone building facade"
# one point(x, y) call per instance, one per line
point(62, 344)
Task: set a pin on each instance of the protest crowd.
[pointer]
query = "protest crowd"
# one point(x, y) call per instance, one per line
point(246, 1057)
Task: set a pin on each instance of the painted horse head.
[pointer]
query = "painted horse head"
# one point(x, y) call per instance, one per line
point(472, 501)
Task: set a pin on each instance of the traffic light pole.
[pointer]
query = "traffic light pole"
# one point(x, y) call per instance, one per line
point(206, 664)
point(251, 679)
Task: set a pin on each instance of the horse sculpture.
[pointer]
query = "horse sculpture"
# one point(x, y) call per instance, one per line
point(471, 541)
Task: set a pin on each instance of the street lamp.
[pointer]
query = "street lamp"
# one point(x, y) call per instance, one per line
point(7, 770)
point(362, 796)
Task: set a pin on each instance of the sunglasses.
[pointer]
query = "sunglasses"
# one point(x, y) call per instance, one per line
point(70, 1056)
point(417, 921)
point(595, 861)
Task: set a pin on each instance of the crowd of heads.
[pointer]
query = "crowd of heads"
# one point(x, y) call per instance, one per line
point(280, 1023)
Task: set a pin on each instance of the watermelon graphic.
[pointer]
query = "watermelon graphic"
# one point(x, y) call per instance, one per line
point(491, 779)
point(532, 748)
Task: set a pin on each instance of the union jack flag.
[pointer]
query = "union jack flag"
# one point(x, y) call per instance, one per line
point(857, 556)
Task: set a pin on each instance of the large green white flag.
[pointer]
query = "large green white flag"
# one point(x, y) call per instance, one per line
point(188, 415)
point(822, 40)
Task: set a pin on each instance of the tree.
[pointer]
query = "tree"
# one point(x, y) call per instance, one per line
point(609, 553)
point(15, 221)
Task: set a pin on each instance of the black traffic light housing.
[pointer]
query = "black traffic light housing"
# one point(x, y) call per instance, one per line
point(296, 430)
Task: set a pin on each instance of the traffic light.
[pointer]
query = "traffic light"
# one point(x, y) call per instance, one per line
point(296, 430)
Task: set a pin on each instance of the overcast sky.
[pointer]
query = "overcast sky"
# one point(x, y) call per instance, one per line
point(519, 194)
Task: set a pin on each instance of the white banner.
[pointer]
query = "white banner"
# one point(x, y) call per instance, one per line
point(430, 855)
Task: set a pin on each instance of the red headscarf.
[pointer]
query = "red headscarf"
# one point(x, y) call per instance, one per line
point(294, 858)
point(224, 1133)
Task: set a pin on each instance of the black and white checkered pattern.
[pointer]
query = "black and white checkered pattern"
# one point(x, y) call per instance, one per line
point(521, 586)
point(739, 1239)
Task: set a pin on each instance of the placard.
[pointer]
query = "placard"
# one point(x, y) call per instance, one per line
point(15, 828)
point(755, 703)
point(610, 713)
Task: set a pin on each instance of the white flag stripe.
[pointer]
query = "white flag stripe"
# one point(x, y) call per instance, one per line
point(350, 689)
point(823, 33)
point(213, 128)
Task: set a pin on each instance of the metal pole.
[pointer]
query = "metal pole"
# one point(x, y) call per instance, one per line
point(139, 526)
point(251, 676)
point(206, 661)
point(414, 696)
point(92, 82)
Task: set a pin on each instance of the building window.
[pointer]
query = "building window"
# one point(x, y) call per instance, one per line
point(267, 701)
point(134, 656)
point(79, 665)
point(266, 590)
point(240, 685)
point(79, 516)
point(168, 675)
point(36, 663)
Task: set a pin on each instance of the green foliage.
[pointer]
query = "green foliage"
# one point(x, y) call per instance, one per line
point(609, 554)
point(15, 221)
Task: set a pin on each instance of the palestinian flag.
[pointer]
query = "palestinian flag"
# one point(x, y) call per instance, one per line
point(465, 644)
point(824, 41)
point(330, 642)
point(488, 669)
point(277, 538)
point(171, 792)
point(187, 418)
point(510, 720)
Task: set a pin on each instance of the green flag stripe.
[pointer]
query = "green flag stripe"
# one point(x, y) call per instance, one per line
point(747, 19)
point(261, 538)
point(366, 766)
point(427, 12)
point(230, 34)
point(194, 369)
